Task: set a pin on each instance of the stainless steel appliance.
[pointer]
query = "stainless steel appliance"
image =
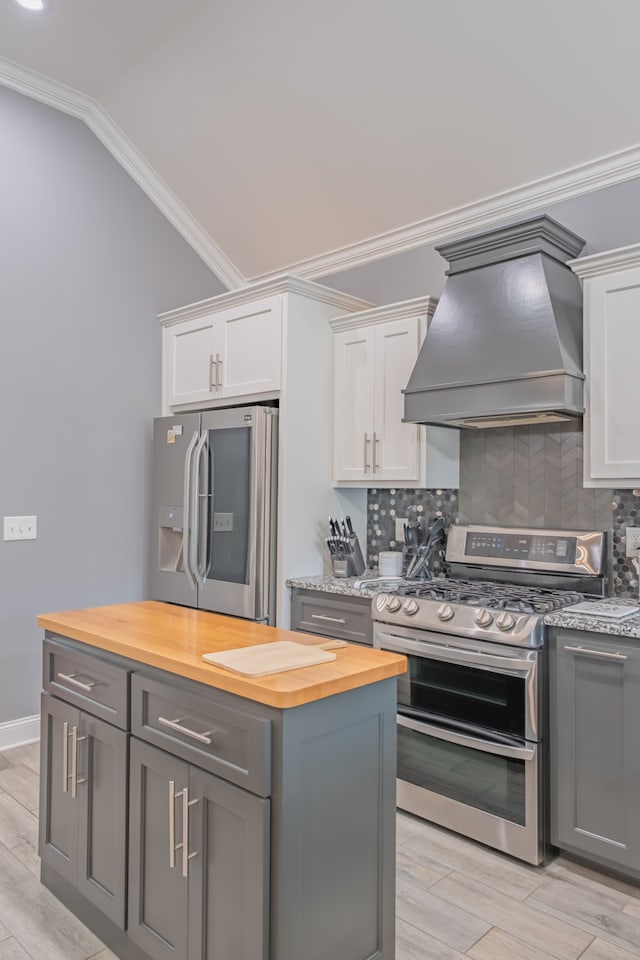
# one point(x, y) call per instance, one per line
point(214, 510)
point(472, 740)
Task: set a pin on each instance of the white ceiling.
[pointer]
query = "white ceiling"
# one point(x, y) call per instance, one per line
point(289, 129)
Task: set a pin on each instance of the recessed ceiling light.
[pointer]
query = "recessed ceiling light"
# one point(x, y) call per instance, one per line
point(34, 6)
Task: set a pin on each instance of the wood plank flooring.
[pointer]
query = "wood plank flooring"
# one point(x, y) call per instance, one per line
point(456, 899)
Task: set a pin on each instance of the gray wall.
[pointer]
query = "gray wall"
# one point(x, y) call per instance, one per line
point(86, 263)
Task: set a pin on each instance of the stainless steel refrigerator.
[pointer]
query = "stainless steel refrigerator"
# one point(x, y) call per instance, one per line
point(214, 511)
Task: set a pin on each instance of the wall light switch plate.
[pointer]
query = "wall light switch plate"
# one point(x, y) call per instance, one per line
point(400, 522)
point(632, 538)
point(20, 528)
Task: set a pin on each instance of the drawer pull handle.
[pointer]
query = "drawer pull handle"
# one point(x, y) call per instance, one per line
point(177, 725)
point(322, 616)
point(72, 678)
point(597, 653)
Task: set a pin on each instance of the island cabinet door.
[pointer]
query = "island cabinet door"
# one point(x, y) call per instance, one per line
point(100, 769)
point(228, 870)
point(158, 891)
point(58, 839)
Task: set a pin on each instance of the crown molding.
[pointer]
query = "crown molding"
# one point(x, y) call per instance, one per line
point(265, 288)
point(419, 306)
point(84, 108)
point(604, 172)
point(623, 258)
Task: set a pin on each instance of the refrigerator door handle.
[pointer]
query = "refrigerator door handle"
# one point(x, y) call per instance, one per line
point(186, 511)
point(194, 509)
point(201, 567)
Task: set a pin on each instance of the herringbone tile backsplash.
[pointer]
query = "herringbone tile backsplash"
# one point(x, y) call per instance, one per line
point(529, 477)
point(524, 477)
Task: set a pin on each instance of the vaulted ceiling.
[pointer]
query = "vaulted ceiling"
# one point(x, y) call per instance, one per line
point(292, 135)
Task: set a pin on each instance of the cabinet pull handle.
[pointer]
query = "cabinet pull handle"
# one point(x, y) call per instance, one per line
point(218, 372)
point(364, 454)
point(375, 440)
point(172, 823)
point(322, 616)
point(213, 382)
point(177, 725)
point(72, 678)
point(186, 856)
point(597, 653)
point(75, 740)
point(65, 757)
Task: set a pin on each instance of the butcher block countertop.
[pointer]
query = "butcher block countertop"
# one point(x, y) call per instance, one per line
point(174, 638)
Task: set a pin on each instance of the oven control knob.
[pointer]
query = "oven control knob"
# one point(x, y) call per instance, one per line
point(381, 602)
point(394, 604)
point(483, 618)
point(445, 612)
point(505, 621)
point(411, 607)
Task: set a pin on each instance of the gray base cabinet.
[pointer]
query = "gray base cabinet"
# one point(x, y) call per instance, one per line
point(186, 903)
point(252, 833)
point(332, 615)
point(84, 804)
point(595, 756)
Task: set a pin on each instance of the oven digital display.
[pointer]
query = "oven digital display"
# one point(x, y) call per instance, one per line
point(518, 546)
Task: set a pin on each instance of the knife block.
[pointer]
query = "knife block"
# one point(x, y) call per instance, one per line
point(352, 564)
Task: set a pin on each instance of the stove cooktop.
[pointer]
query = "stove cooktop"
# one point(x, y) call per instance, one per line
point(491, 595)
point(489, 610)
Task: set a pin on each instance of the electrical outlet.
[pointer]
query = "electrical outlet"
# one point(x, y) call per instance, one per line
point(633, 541)
point(20, 528)
point(400, 522)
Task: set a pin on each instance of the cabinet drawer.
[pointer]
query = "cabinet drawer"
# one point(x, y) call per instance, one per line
point(346, 618)
point(87, 681)
point(227, 742)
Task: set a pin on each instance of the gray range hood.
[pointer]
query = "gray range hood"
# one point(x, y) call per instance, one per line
point(504, 346)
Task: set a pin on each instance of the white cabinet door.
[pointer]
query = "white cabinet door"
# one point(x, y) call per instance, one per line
point(189, 367)
point(611, 346)
point(353, 404)
point(248, 349)
point(396, 444)
point(232, 353)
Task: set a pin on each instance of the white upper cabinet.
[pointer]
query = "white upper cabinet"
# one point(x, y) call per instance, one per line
point(611, 348)
point(235, 352)
point(374, 354)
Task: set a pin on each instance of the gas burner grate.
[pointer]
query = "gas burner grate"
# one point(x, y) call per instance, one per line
point(492, 595)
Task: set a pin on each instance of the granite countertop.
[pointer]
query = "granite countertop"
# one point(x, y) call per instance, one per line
point(344, 585)
point(621, 628)
point(174, 638)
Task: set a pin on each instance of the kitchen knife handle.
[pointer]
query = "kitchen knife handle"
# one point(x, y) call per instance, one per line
point(366, 441)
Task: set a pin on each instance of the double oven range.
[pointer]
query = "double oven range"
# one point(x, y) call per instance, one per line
point(472, 707)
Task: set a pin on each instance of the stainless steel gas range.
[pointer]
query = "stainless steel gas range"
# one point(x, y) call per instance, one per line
point(472, 707)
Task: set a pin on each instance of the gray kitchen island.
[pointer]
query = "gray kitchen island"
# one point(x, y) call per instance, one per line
point(191, 812)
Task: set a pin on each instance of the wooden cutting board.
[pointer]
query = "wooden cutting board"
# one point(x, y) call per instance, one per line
point(266, 658)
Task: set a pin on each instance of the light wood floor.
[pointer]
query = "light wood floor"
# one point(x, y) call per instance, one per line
point(456, 899)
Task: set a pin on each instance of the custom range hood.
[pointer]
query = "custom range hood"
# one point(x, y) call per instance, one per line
point(504, 346)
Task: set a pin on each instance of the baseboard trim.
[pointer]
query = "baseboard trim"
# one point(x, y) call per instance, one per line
point(15, 733)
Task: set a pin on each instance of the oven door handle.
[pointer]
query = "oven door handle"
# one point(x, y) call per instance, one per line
point(464, 740)
point(436, 651)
